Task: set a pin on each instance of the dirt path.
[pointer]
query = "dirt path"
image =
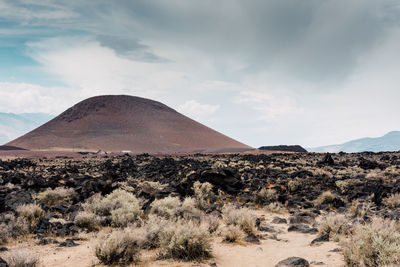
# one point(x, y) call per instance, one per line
point(268, 253)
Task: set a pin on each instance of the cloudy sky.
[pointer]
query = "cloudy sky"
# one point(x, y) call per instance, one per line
point(309, 72)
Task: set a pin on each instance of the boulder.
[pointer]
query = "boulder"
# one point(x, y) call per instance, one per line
point(293, 262)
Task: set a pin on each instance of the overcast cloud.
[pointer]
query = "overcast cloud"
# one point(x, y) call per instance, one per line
point(263, 72)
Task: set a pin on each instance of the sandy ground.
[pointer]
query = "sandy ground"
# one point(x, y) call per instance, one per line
point(268, 253)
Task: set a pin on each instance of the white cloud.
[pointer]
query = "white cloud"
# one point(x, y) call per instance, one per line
point(192, 108)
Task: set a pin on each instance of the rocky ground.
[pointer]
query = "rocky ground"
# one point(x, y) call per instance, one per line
point(290, 198)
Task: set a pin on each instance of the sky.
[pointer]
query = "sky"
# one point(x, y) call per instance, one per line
point(265, 72)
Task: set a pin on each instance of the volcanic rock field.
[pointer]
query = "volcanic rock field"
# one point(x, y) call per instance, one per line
point(277, 209)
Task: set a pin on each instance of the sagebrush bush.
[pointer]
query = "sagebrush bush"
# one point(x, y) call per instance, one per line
point(21, 258)
point(294, 185)
point(56, 195)
point(266, 196)
point(392, 201)
point(166, 207)
point(326, 197)
point(152, 230)
point(373, 244)
point(189, 209)
point(31, 212)
point(204, 194)
point(121, 206)
point(87, 220)
point(242, 217)
point(12, 228)
point(186, 240)
point(334, 225)
point(120, 247)
point(231, 233)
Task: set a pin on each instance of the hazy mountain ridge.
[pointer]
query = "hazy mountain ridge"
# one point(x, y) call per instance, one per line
point(388, 142)
point(13, 125)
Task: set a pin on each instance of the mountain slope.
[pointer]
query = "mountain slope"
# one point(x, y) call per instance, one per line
point(388, 142)
point(14, 125)
point(116, 123)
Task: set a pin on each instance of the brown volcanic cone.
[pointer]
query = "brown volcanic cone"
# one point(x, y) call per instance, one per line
point(116, 123)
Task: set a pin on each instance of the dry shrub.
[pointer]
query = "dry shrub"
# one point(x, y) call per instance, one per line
point(358, 209)
point(189, 209)
point(231, 233)
point(167, 207)
point(203, 192)
point(54, 196)
point(373, 244)
point(31, 212)
point(87, 220)
point(334, 225)
point(326, 197)
point(392, 201)
point(266, 196)
point(121, 206)
point(12, 228)
point(186, 240)
point(151, 231)
point(212, 222)
point(242, 217)
point(22, 258)
point(294, 185)
point(119, 247)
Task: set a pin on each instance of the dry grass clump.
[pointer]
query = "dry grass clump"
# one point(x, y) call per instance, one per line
point(31, 212)
point(358, 209)
point(87, 220)
point(326, 197)
point(186, 240)
point(334, 225)
point(12, 228)
point(266, 196)
point(56, 195)
point(373, 244)
point(231, 233)
point(119, 247)
point(167, 207)
point(392, 201)
point(242, 217)
point(203, 192)
point(21, 258)
point(121, 206)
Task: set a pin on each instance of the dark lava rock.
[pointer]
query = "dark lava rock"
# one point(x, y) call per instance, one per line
point(302, 228)
point(278, 220)
point(15, 199)
point(301, 219)
point(335, 250)
point(369, 164)
point(252, 238)
point(2, 249)
point(68, 243)
point(46, 241)
point(285, 148)
point(293, 262)
point(317, 263)
point(321, 238)
point(327, 160)
point(3, 263)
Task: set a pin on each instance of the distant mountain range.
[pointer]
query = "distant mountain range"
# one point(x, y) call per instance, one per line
point(388, 142)
point(13, 125)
